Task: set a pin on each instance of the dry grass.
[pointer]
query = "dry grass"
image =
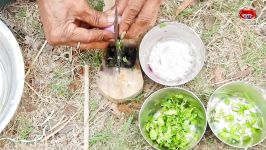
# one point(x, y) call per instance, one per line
point(53, 94)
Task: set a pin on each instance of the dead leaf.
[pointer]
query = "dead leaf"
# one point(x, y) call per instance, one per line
point(70, 109)
point(30, 107)
point(28, 40)
point(79, 72)
point(218, 74)
point(3, 143)
point(69, 127)
point(136, 105)
point(209, 20)
point(36, 45)
point(115, 110)
point(73, 86)
point(261, 31)
point(124, 108)
point(244, 73)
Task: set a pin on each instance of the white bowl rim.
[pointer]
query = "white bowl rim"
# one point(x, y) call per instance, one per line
point(178, 88)
point(196, 35)
point(18, 61)
point(208, 109)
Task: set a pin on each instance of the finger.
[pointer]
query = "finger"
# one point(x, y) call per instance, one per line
point(145, 20)
point(130, 13)
point(96, 18)
point(121, 5)
point(85, 25)
point(93, 45)
point(93, 35)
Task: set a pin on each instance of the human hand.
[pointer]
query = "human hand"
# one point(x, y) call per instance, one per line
point(68, 22)
point(138, 16)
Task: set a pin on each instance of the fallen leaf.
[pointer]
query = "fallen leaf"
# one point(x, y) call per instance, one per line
point(261, 31)
point(69, 127)
point(3, 143)
point(115, 110)
point(244, 73)
point(136, 105)
point(218, 74)
point(124, 108)
point(28, 40)
point(30, 107)
point(209, 20)
point(81, 71)
point(73, 86)
point(70, 109)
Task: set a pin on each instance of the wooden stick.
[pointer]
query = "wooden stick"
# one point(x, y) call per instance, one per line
point(86, 108)
point(183, 6)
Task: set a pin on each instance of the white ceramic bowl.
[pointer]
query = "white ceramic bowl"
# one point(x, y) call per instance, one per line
point(177, 31)
point(11, 75)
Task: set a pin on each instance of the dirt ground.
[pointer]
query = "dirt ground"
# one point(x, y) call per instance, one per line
point(52, 103)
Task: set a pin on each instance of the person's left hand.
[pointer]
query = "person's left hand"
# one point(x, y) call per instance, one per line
point(138, 16)
point(74, 23)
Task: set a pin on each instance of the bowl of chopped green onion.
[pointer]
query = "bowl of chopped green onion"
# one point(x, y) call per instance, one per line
point(172, 118)
point(236, 114)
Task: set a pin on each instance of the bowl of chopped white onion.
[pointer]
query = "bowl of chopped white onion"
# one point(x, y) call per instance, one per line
point(171, 54)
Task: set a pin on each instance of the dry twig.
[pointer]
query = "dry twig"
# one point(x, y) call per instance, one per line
point(59, 129)
point(86, 108)
point(184, 5)
point(35, 59)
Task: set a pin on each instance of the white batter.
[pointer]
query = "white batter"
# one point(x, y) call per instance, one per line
point(171, 60)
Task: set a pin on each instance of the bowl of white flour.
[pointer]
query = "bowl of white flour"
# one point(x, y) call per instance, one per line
point(11, 75)
point(171, 54)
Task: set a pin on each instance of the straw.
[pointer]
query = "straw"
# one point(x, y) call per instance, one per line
point(86, 108)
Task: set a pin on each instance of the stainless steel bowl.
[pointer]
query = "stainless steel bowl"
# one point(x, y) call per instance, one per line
point(238, 89)
point(11, 75)
point(153, 103)
point(172, 30)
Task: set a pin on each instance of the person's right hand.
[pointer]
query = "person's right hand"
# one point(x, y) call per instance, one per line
point(67, 22)
point(138, 16)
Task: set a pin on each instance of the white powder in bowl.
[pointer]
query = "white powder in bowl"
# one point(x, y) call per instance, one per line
point(171, 60)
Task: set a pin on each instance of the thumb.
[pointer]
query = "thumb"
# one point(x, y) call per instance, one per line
point(97, 19)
